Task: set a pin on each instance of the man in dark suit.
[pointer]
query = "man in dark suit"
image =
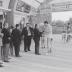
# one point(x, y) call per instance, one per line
point(16, 38)
point(27, 32)
point(36, 38)
point(5, 41)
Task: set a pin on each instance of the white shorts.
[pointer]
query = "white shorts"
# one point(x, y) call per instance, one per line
point(46, 41)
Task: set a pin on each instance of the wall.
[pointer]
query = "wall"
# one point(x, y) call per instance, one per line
point(14, 16)
point(19, 15)
point(17, 19)
point(6, 4)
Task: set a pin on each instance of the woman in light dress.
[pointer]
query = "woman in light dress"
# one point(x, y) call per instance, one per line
point(47, 37)
point(1, 35)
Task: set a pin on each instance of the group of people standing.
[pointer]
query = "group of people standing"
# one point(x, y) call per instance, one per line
point(12, 38)
point(66, 34)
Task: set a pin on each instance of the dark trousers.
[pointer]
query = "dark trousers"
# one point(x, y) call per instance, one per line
point(17, 49)
point(27, 43)
point(36, 40)
point(11, 47)
point(5, 51)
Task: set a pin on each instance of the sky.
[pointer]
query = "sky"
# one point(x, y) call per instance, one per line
point(64, 16)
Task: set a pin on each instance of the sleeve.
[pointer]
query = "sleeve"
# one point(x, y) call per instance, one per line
point(32, 31)
point(12, 34)
point(22, 33)
point(2, 31)
point(51, 32)
point(51, 29)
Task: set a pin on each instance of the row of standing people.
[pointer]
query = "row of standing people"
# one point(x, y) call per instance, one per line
point(14, 37)
point(66, 33)
point(43, 34)
point(10, 38)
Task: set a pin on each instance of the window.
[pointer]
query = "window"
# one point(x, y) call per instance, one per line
point(1, 3)
point(23, 7)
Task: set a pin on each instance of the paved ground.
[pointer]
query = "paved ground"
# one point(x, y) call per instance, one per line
point(60, 60)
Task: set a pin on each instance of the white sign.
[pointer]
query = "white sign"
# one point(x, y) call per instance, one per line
point(62, 7)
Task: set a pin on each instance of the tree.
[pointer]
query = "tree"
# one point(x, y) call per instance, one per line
point(60, 23)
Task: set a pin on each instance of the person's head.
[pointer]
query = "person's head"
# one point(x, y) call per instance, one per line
point(27, 24)
point(45, 22)
point(68, 23)
point(17, 26)
point(37, 26)
point(11, 27)
point(6, 25)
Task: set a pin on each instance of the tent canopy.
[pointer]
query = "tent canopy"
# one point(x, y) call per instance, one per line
point(34, 3)
point(59, 1)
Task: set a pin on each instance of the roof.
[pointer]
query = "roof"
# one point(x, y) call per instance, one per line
point(34, 3)
point(60, 1)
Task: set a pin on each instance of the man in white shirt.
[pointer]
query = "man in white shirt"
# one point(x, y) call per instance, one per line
point(47, 33)
point(28, 34)
point(1, 55)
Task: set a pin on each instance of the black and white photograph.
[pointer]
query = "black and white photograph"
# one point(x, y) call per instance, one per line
point(35, 35)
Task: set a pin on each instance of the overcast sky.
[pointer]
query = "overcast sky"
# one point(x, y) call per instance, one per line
point(64, 16)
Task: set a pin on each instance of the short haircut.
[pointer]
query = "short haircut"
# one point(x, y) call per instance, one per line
point(46, 22)
point(17, 25)
point(68, 23)
point(27, 23)
point(11, 27)
point(35, 25)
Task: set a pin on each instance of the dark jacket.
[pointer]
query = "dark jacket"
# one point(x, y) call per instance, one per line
point(25, 32)
point(16, 36)
point(37, 34)
point(6, 37)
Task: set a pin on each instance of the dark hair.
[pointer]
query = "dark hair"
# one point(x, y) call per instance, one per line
point(35, 25)
point(46, 22)
point(68, 23)
point(27, 23)
point(17, 25)
point(11, 27)
point(5, 24)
